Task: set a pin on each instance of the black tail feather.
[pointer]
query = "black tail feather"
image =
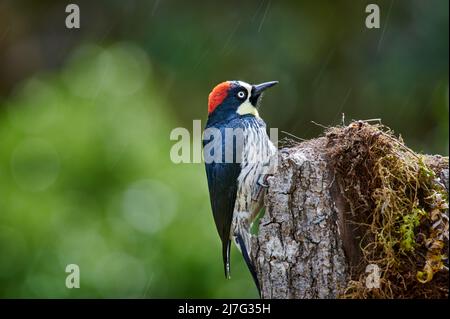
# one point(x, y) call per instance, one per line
point(226, 257)
point(249, 263)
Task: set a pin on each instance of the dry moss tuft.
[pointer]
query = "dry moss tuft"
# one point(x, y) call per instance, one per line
point(398, 207)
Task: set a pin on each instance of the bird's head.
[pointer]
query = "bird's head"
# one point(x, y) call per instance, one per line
point(236, 98)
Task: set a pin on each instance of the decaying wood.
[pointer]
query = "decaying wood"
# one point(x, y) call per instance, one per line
point(304, 247)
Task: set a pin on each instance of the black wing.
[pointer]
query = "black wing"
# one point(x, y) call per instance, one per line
point(222, 183)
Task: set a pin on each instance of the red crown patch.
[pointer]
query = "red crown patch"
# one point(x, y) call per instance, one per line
point(217, 95)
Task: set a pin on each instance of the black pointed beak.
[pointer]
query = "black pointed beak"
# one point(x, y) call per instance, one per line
point(258, 89)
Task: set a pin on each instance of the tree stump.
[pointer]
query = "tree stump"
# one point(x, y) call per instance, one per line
point(307, 246)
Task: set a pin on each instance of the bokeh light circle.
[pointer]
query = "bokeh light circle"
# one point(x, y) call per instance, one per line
point(35, 164)
point(148, 205)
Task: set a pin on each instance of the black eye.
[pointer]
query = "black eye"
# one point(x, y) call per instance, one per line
point(241, 94)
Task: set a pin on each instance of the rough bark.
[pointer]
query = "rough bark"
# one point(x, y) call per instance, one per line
point(304, 248)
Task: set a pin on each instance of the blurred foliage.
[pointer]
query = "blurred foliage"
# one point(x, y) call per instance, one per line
point(89, 181)
point(85, 117)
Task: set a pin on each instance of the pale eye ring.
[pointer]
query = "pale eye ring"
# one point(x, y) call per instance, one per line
point(241, 94)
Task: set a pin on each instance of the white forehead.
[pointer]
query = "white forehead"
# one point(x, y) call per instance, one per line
point(246, 85)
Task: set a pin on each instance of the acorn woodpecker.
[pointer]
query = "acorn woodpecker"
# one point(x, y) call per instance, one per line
point(238, 157)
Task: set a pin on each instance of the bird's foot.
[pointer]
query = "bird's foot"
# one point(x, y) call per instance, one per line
point(262, 180)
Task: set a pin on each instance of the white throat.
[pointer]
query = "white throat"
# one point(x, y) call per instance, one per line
point(246, 107)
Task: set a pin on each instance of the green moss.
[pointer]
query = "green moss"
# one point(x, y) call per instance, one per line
point(410, 222)
point(399, 205)
point(255, 225)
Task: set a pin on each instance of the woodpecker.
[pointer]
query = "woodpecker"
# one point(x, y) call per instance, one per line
point(238, 158)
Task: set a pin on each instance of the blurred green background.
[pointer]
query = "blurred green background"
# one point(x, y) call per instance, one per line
point(85, 118)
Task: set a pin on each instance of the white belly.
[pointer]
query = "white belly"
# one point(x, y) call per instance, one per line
point(258, 161)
